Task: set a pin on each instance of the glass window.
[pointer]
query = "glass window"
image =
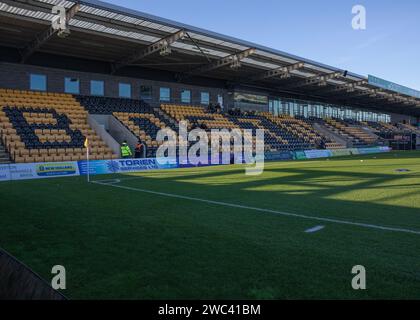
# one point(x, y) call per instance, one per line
point(205, 98)
point(96, 88)
point(71, 85)
point(165, 94)
point(186, 96)
point(38, 82)
point(124, 90)
point(146, 92)
point(220, 100)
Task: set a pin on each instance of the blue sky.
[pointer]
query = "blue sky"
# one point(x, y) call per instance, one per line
point(315, 29)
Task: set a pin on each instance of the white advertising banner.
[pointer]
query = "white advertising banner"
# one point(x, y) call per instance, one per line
point(25, 171)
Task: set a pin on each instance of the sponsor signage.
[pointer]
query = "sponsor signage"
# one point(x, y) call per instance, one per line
point(341, 152)
point(56, 169)
point(285, 155)
point(125, 165)
point(384, 84)
point(315, 154)
point(300, 155)
point(26, 171)
point(4, 172)
point(248, 98)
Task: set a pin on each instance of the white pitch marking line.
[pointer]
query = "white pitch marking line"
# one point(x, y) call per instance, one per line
point(281, 213)
point(314, 229)
point(110, 181)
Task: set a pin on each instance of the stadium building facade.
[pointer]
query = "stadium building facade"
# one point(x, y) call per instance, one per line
point(159, 68)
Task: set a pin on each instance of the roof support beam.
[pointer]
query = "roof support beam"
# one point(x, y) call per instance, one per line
point(43, 37)
point(282, 72)
point(151, 49)
point(319, 80)
point(363, 93)
point(348, 87)
point(234, 60)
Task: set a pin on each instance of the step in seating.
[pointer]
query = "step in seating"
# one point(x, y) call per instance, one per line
point(144, 126)
point(4, 156)
point(300, 129)
point(352, 131)
point(47, 127)
point(138, 116)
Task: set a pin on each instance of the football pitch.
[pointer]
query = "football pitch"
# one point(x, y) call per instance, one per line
point(216, 233)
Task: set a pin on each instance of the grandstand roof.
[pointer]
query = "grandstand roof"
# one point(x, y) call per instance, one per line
point(99, 31)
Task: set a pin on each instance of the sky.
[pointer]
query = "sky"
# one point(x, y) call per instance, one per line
point(319, 30)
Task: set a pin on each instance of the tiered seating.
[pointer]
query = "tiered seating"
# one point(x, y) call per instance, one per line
point(380, 127)
point(303, 130)
point(138, 116)
point(408, 127)
point(350, 131)
point(197, 117)
point(144, 126)
point(46, 127)
point(102, 105)
point(277, 137)
point(4, 156)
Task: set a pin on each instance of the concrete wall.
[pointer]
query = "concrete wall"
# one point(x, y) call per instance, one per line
point(100, 123)
point(120, 133)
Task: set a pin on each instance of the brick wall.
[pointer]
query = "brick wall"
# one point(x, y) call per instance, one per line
point(16, 76)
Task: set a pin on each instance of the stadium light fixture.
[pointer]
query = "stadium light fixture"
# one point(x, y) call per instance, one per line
point(232, 60)
point(162, 46)
point(283, 72)
point(320, 80)
point(48, 33)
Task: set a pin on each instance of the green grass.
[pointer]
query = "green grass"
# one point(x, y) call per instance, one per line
point(117, 243)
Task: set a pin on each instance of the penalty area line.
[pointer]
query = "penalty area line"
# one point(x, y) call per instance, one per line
point(274, 212)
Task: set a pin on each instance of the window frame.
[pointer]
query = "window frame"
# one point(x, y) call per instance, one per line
point(122, 85)
point(201, 98)
point(184, 91)
point(169, 94)
point(70, 81)
point(102, 89)
point(45, 82)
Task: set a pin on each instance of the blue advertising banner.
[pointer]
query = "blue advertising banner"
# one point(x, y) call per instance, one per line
point(4, 172)
point(384, 84)
point(125, 165)
point(281, 155)
point(315, 154)
point(222, 159)
point(373, 150)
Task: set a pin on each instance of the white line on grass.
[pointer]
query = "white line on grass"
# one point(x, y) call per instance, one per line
point(314, 229)
point(275, 212)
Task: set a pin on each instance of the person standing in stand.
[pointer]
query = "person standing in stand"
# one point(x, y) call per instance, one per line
point(138, 152)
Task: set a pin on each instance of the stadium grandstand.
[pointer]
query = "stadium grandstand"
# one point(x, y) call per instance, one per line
point(82, 82)
point(59, 87)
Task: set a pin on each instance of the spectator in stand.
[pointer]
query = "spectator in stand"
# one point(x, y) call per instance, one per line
point(203, 126)
point(138, 152)
point(210, 108)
